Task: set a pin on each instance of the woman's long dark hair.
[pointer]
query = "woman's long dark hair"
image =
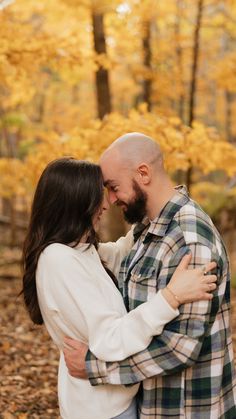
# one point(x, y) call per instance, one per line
point(68, 195)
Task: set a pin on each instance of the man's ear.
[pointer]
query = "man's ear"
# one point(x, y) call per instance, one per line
point(144, 173)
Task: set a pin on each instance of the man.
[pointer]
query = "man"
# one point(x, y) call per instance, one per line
point(188, 370)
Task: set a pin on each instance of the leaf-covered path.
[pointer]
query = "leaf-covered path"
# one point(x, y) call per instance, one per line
point(28, 360)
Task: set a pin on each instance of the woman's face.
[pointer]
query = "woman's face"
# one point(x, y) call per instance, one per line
point(97, 217)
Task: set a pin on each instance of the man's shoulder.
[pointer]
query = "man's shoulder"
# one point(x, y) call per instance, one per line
point(192, 212)
point(195, 225)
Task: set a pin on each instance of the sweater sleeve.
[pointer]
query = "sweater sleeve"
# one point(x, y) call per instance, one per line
point(112, 253)
point(76, 289)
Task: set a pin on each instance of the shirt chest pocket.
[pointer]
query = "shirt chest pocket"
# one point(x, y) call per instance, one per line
point(144, 279)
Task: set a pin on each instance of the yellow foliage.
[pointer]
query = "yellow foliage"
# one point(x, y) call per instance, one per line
point(226, 73)
point(47, 74)
point(213, 198)
point(35, 35)
point(183, 147)
point(12, 173)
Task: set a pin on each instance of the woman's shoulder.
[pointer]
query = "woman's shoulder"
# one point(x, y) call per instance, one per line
point(66, 263)
point(56, 249)
point(60, 254)
point(56, 254)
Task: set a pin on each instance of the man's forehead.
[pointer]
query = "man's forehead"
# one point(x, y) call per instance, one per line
point(113, 168)
point(111, 176)
point(110, 167)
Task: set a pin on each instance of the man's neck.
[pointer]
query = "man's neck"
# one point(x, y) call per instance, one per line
point(158, 198)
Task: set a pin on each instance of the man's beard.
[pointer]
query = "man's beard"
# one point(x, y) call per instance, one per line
point(137, 208)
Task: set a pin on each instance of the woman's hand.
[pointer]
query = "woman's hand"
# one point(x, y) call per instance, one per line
point(188, 285)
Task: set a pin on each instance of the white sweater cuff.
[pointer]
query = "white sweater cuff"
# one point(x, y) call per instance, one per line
point(157, 312)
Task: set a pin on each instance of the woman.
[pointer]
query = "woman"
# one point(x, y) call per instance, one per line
point(67, 286)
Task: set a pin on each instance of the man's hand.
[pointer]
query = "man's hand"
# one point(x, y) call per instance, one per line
point(75, 353)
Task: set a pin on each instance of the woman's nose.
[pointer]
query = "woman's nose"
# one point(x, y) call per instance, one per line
point(105, 203)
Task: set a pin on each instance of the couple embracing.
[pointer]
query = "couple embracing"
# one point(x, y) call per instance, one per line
point(146, 317)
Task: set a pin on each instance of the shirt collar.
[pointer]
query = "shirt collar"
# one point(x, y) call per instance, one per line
point(159, 225)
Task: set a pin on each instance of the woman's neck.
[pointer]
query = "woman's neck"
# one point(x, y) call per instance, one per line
point(84, 238)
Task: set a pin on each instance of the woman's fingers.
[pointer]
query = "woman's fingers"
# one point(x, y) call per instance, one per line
point(207, 296)
point(210, 287)
point(207, 279)
point(184, 262)
point(186, 259)
point(208, 267)
point(193, 284)
point(209, 282)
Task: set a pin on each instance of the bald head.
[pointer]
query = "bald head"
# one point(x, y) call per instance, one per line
point(133, 149)
point(134, 175)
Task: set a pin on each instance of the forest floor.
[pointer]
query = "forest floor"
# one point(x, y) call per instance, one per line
point(28, 359)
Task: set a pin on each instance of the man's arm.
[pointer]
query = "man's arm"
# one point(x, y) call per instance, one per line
point(178, 346)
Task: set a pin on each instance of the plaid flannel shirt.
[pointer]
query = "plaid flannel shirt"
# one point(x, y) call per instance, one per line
point(187, 371)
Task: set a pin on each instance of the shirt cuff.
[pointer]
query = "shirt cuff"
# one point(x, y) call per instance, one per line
point(96, 370)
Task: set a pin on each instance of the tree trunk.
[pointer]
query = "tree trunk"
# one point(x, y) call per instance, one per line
point(179, 56)
point(13, 221)
point(10, 142)
point(196, 47)
point(102, 76)
point(193, 82)
point(113, 223)
point(229, 97)
point(147, 84)
point(1, 136)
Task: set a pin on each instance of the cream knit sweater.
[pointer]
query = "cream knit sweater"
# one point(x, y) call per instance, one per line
point(78, 299)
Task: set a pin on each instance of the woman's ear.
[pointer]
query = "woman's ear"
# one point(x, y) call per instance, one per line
point(144, 173)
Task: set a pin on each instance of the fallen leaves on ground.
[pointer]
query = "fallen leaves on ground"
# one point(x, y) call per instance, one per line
point(28, 360)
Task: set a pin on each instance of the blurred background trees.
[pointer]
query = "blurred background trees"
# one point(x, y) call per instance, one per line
point(76, 74)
